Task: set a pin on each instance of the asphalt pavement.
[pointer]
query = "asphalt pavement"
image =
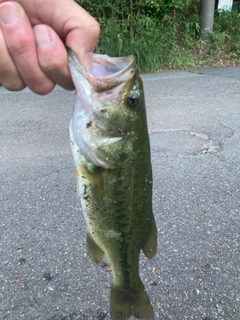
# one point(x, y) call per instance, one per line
point(194, 126)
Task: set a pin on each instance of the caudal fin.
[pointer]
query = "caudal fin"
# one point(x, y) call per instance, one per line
point(124, 303)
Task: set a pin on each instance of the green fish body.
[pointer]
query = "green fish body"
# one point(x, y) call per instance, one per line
point(110, 145)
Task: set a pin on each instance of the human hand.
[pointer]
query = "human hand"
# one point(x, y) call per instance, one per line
point(33, 35)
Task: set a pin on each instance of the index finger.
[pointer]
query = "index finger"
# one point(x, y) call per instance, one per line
point(79, 29)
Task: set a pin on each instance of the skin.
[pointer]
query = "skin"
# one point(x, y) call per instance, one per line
point(33, 36)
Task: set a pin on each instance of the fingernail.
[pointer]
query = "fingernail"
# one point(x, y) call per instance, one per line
point(9, 13)
point(42, 35)
point(87, 61)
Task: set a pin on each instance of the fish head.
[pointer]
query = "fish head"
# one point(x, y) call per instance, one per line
point(109, 111)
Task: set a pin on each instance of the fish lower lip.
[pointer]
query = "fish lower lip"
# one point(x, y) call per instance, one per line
point(101, 141)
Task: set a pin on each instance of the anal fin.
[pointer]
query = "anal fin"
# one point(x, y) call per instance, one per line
point(94, 252)
point(150, 247)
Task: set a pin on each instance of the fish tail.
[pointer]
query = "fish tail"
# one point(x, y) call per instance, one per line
point(124, 303)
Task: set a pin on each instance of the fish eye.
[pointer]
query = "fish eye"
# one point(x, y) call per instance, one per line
point(133, 99)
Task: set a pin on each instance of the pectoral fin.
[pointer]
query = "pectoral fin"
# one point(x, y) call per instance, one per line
point(95, 253)
point(150, 247)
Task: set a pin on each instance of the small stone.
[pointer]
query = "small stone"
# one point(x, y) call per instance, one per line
point(214, 267)
point(219, 308)
point(193, 293)
point(47, 276)
point(22, 260)
point(50, 288)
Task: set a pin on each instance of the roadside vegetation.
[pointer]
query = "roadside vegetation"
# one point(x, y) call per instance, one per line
point(164, 33)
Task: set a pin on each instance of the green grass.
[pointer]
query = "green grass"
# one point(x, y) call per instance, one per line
point(155, 48)
point(171, 43)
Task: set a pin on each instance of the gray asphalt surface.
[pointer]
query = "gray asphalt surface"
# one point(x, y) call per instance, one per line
point(194, 125)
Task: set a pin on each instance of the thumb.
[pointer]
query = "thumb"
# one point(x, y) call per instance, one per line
point(82, 40)
point(79, 30)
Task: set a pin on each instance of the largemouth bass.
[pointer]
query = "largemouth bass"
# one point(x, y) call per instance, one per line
point(110, 146)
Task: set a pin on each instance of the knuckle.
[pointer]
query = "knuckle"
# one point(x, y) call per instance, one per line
point(13, 86)
point(20, 46)
point(43, 89)
point(51, 65)
point(94, 27)
point(97, 31)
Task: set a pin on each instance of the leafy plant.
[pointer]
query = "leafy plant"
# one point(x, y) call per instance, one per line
point(162, 33)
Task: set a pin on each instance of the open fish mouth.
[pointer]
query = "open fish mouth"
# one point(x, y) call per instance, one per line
point(107, 72)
